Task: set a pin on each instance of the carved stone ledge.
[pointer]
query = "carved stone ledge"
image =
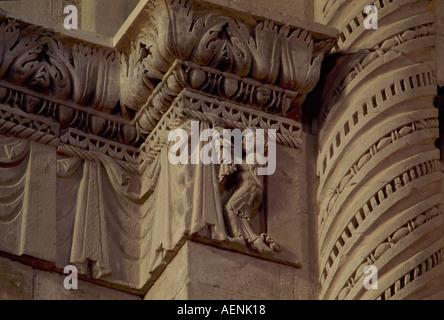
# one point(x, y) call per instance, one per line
point(16, 123)
point(195, 105)
point(87, 142)
point(244, 92)
point(68, 115)
point(266, 51)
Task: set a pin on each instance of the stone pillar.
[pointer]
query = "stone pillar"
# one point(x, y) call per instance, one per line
point(380, 198)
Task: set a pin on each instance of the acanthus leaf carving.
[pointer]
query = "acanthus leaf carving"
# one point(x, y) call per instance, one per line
point(286, 56)
point(266, 51)
point(36, 59)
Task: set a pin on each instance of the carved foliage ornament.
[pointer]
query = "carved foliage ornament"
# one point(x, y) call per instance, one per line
point(77, 85)
point(266, 52)
point(32, 57)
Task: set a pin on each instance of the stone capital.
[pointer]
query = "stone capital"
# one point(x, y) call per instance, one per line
point(263, 54)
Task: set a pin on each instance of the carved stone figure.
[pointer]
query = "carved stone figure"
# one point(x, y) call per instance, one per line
point(242, 193)
point(243, 205)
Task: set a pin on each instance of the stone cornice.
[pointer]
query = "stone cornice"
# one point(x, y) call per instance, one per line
point(197, 106)
point(119, 95)
point(246, 92)
point(265, 51)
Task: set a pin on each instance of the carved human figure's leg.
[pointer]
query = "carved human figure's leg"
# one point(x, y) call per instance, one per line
point(243, 206)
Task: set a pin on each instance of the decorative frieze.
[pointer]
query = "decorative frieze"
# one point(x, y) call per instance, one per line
point(88, 142)
point(16, 123)
point(230, 87)
point(194, 105)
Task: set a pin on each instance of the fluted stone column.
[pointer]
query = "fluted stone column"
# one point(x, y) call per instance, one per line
point(380, 198)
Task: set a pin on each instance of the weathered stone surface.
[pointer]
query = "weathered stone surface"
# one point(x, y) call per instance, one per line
point(300, 9)
point(39, 231)
point(16, 280)
point(102, 16)
point(27, 204)
point(206, 272)
point(289, 213)
point(49, 286)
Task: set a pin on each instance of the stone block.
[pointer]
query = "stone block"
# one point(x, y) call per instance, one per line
point(49, 286)
point(40, 204)
point(290, 207)
point(205, 272)
point(172, 283)
point(16, 280)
